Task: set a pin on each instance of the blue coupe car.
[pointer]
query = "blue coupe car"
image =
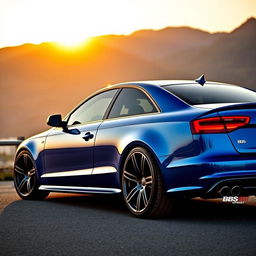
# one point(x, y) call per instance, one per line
point(152, 141)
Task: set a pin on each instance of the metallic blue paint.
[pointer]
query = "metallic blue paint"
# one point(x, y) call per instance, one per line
point(187, 162)
point(191, 188)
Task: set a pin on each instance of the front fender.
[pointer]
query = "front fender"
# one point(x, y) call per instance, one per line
point(35, 146)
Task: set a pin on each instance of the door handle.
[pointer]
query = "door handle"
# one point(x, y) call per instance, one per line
point(88, 136)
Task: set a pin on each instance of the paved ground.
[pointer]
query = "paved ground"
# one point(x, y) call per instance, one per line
point(92, 225)
point(7, 194)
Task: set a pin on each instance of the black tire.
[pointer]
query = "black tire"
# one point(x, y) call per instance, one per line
point(142, 186)
point(25, 177)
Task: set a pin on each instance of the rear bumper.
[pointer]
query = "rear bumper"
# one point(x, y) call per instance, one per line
point(247, 187)
point(205, 179)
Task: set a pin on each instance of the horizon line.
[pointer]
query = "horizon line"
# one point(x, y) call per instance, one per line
point(133, 32)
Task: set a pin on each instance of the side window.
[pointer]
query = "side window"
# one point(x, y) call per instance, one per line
point(130, 102)
point(93, 109)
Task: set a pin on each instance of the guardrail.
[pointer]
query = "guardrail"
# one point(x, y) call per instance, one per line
point(7, 168)
point(12, 142)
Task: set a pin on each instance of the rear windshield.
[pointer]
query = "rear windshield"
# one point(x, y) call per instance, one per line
point(195, 94)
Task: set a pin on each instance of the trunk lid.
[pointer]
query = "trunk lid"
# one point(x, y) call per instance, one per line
point(243, 138)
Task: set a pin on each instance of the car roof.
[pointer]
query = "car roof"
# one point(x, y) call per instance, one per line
point(161, 83)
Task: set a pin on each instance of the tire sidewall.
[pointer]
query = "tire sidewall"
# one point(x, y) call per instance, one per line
point(147, 210)
point(35, 186)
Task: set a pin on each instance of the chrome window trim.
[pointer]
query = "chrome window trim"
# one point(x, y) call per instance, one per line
point(150, 98)
point(118, 88)
point(84, 101)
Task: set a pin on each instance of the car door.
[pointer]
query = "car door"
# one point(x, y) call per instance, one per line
point(121, 127)
point(69, 152)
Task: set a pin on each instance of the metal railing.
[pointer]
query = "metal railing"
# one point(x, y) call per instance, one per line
point(12, 142)
point(6, 163)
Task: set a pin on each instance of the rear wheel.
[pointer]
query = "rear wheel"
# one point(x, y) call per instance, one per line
point(25, 177)
point(142, 186)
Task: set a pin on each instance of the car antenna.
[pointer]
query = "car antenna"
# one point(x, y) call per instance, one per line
point(201, 80)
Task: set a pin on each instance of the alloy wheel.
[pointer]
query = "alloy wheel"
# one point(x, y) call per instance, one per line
point(24, 174)
point(138, 181)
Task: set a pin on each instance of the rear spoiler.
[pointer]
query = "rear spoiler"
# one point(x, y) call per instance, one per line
point(232, 107)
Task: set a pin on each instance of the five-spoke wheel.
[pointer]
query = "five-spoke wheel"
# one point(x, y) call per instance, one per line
point(137, 181)
point(142, 186)
point(25, 179)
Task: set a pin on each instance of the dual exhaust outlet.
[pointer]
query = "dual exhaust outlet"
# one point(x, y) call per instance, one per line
point(230, 191)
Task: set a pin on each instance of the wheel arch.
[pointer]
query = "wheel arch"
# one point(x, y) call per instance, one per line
point(35, 148)
point(130, 147)
point(27, 146)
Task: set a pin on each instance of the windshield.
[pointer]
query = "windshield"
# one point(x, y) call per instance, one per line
point(195, 94)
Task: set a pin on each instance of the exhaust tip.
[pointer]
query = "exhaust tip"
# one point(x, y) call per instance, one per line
point(224, 191)
point(236, 191)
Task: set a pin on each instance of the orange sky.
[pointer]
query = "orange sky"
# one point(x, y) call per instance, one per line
point(71, 21)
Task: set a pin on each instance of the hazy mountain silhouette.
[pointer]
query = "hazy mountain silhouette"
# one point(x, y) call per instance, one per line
point(37, 80)
point(231, 58)
point(155, 44)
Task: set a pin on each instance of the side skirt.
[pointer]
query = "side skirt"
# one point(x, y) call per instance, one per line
point(90, 190)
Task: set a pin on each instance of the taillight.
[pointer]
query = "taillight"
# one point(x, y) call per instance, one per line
point(218, 124)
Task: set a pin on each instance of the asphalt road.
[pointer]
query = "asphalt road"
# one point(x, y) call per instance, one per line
point(95, 225)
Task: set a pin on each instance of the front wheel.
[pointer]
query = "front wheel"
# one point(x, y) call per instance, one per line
point(142, 186)
point(25, 177)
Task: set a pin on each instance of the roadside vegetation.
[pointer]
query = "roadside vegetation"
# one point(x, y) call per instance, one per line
point(6, 174)
point(6, 166)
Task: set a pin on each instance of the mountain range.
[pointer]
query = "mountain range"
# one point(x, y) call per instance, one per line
point(38, 80)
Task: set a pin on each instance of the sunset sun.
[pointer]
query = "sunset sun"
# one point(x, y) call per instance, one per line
point(72, 43)
point(71, 22)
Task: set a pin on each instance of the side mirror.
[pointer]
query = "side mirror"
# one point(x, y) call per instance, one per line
point(56, 121)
